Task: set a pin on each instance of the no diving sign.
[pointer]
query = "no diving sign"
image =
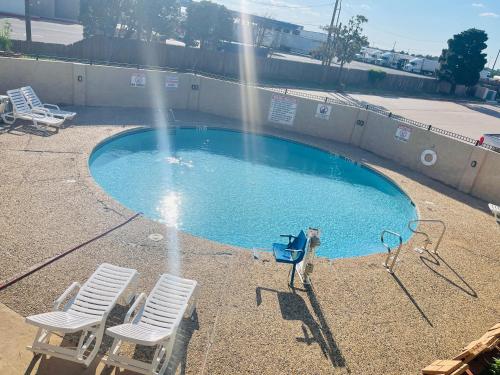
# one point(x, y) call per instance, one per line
point(323, 111)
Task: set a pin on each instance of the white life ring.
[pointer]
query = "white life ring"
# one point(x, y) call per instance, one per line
point(424, 158)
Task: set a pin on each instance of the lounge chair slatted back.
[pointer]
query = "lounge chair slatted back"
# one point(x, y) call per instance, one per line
point(167, 301)
point(19, 103)
point(101, 291)
point(31, 96)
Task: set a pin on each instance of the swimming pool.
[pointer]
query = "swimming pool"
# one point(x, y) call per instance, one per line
point(246, 190)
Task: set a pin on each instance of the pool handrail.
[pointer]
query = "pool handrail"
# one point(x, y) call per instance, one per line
point(389, 250)
point(427, 238)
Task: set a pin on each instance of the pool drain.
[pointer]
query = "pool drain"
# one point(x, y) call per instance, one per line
point(155, 237)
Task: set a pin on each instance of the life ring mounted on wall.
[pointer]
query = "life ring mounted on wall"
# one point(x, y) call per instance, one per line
point(428, 157)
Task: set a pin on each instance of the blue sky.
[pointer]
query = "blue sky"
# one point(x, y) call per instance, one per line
point(421, 26)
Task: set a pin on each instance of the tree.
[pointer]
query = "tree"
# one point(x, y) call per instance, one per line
point(207, 23)
point(260, 29)
point(100, 17)
point(152, 18)
point(462, 61)
point(349, 40)
point(139, 18)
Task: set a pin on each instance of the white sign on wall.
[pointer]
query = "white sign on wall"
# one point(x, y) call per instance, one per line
point(171, 82)
point(403, 133)
point(282, 110)
point(138, 80)
point(323, 111)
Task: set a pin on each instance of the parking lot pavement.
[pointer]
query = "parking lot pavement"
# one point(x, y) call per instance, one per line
point(472, 119)
point(47, 31)
point(352, 65)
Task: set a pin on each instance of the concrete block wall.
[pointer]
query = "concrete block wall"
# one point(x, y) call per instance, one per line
point(468, 168)
point(92, 85)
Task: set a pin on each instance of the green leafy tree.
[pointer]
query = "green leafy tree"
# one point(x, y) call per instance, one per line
point(140, 18)
point(207, 23)
point(349, 40)
point(99, 17)
point(152, 18)
point(462, 61)
point(5, 41)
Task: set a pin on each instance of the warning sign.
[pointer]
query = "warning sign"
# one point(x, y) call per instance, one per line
point(171, 82)
point(138, 80)
point(282, 110)
point(403, 133)
point(323, 111)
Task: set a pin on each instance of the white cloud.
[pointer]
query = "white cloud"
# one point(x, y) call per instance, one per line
point(478, 5)
point(489, 14)
point(365, 6)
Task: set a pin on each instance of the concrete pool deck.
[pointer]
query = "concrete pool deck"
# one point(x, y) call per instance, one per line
point(357, 318)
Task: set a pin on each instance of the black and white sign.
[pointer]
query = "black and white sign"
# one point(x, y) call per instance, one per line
point(171, 82)
point(403, 133)
point(282, 110)
point(138, 80)
point(323, 111)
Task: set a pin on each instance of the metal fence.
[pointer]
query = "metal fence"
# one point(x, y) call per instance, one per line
point(287, 91)
point(383, 112)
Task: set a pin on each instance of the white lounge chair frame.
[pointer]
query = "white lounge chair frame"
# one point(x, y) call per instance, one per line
point(86, 313)
point(21, 110)
point(155, 324)
point(495, 210)
point(53, 109)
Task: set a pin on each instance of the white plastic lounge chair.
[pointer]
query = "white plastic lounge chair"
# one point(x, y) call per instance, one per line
point(155, 324)
point(495, 210)
point(21, 110)
point(86, 312)
point(35, 102)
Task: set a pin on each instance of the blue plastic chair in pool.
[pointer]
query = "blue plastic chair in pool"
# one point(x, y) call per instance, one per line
point(291, 253)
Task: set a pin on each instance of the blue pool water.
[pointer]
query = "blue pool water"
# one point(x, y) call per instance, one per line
point(246, 190)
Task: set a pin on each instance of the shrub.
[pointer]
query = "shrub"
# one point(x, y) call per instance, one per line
point(376, 75)
point(5, 42)
point(495, 367)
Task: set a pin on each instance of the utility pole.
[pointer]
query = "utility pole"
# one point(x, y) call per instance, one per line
point(329, 38)
point(27, 18)
point(495, 63)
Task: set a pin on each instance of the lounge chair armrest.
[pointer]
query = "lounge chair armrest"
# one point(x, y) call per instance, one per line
point(46, 105)
point(66, 293)
point(289, 236)
point(139, 301)
point(42, 111)
point(294, 250)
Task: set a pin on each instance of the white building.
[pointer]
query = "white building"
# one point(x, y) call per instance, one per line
point(60, 9)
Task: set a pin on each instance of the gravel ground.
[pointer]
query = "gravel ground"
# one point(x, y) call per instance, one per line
point(357, 318)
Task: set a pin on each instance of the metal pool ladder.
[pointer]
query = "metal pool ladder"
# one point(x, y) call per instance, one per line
point(427, 240)
point(392, 256)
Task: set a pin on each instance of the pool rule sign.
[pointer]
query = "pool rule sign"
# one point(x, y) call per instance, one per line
point(403, 133)
point(138, 80)
point(282, 110)
point(323, 111)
